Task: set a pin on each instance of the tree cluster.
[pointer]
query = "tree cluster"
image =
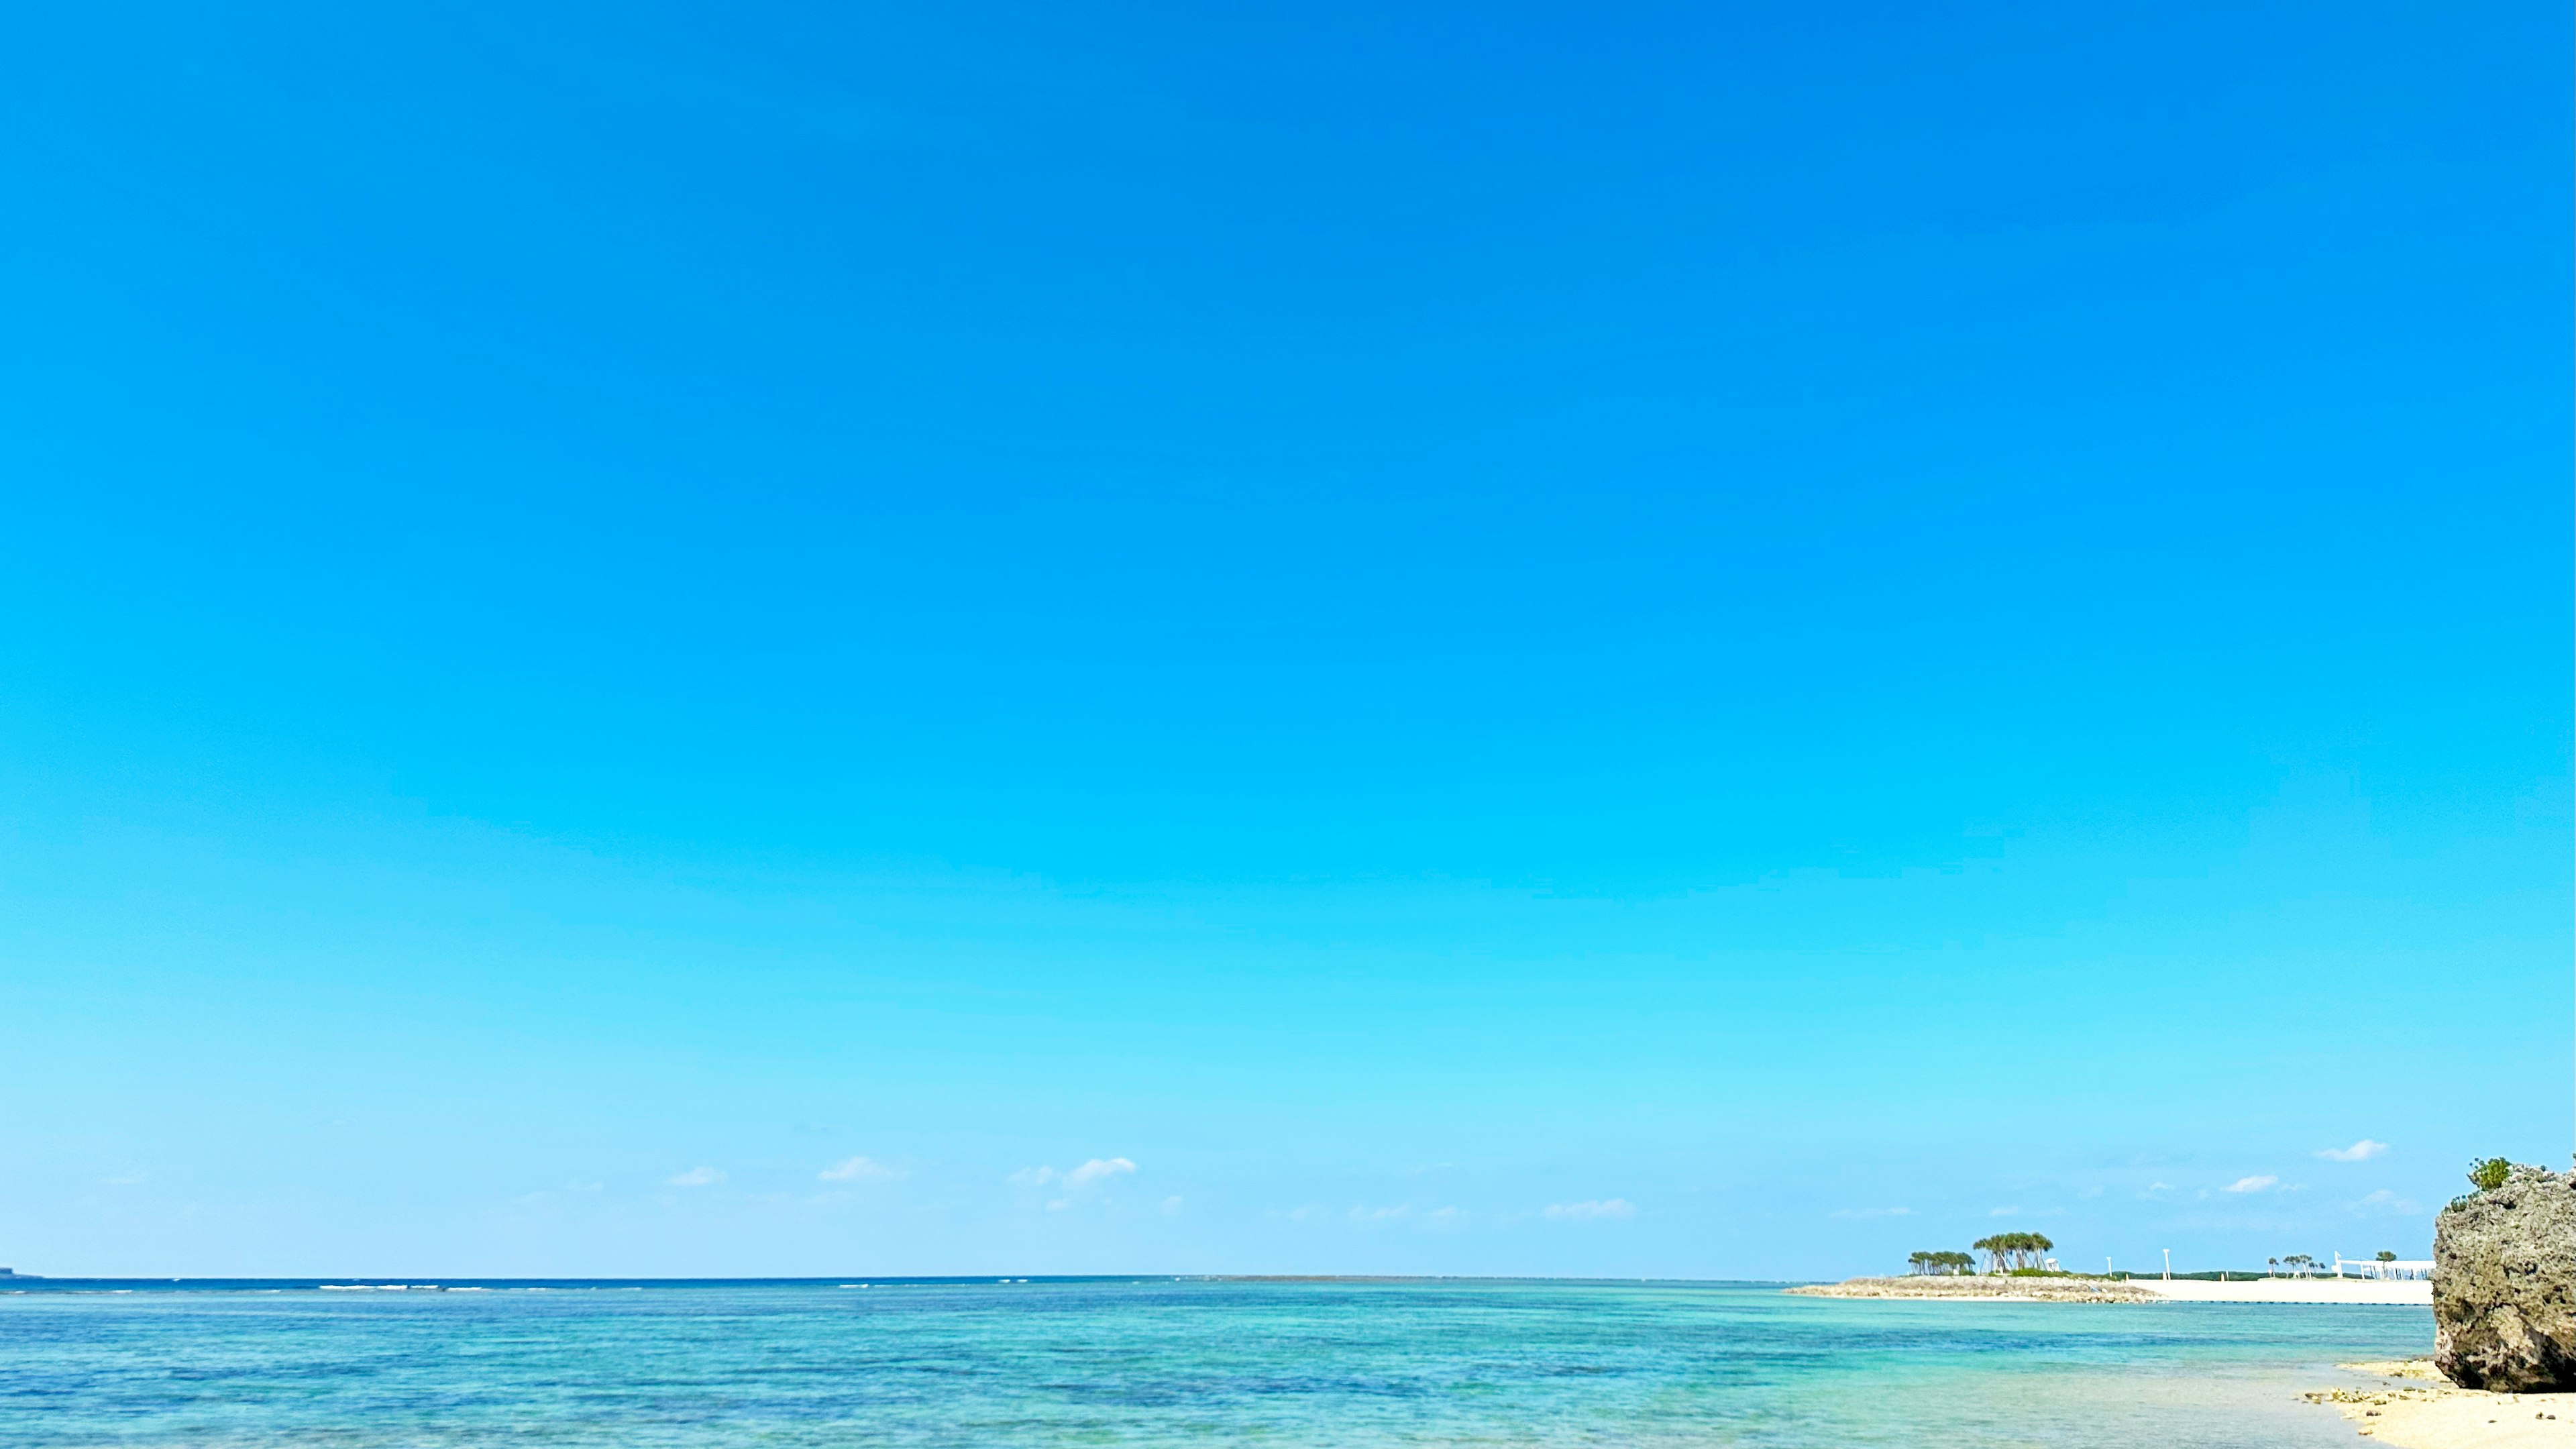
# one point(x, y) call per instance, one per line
point(1940, 1263)
point(2014, 1250)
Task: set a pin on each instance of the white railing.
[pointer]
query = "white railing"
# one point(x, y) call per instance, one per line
point(2375, 1268)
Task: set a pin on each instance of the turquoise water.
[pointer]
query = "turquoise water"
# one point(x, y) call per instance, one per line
point(1162, 1362)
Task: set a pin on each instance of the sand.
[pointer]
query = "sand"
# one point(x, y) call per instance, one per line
point(2291, 1290)
point(2414, 1407)
point(1992, 1290)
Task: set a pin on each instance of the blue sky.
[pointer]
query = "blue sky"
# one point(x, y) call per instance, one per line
point(1618, 639)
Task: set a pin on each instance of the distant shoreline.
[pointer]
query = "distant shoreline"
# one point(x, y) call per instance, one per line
point(1995, 1289)
point(2001, 1289)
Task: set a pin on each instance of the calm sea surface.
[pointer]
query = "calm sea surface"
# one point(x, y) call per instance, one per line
point(1156, 1362)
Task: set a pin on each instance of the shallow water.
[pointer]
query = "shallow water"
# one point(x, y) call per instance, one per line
point(1159, 1362)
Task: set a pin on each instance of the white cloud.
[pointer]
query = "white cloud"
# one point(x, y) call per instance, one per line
point(861, 1169)
point(1171, 1205)
point(2361, 1151)
point(2387, 1202)
point(1584, 1212)
point(1097, 1169)
point(2252, 1184)
point(696, 1177)
point(1853, 1214)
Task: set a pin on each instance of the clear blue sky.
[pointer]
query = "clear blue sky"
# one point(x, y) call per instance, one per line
point(1638, 639)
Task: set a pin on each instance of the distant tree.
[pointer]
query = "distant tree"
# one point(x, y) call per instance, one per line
point(2275, 1262)
point(2008, 1251)
point(2489, 1173)
point(2386, 1256)
point(1955, 1262)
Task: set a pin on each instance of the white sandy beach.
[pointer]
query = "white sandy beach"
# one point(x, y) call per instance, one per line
point(2291, 1290)
point(2414, 1407)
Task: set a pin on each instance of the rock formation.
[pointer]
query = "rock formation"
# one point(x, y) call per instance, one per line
point(2504, 1285)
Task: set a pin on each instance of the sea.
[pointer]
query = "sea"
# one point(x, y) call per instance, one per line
point(1154, 1361)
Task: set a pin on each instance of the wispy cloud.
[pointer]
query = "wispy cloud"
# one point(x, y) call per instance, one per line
point(1074, 1179)
point(1432, 1219)
point(1172, 1205)
point(2361, 1151)
point(1585, 1212)
point(696, 1177)
point(2252, 1184)
point(2387, 1202)
point(2002, 1212)
point(861, 1169)
point(1861, 1214)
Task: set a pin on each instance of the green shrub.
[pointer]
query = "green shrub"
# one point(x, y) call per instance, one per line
point(2489, 1173)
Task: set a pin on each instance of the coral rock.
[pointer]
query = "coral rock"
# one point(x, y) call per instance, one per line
point(2504, 1285)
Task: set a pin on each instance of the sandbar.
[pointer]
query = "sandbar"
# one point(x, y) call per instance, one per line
point(1985, 1288)
point(2000, 1289)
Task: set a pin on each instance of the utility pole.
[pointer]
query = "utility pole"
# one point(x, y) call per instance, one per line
point(2168, 1262)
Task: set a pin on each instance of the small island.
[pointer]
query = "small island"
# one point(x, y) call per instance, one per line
point(2018, 1269)
point(2007, 1288)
